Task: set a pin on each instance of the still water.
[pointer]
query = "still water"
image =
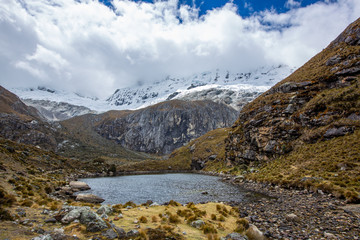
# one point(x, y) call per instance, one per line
point(161, 188)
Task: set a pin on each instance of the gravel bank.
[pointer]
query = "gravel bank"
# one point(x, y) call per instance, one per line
point(299, 214)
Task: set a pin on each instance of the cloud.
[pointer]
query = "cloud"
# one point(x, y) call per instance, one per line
point(292, 4)
point(86, 47)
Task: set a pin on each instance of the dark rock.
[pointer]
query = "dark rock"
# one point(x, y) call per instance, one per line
point(51, 220)
point(132, 233)
point(212, 157)
point(336, 132)
point(354, 117)
point(235, 236)
point(349, 71)
point(120, 232)
point(333, 60)
point(110, 234)
point(21, 212)
point(10, 149)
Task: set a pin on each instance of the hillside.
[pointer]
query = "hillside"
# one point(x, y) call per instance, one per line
point(304, 131)
point(156, 129)
point(307, 113)
point(23, 124)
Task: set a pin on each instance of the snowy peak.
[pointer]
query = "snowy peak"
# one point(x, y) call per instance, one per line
point(234, 89)
point(216, 85)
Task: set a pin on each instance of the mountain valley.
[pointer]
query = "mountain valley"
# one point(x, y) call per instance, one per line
point(296, 141)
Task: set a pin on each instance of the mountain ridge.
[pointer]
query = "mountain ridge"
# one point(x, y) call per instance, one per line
point(232, 89)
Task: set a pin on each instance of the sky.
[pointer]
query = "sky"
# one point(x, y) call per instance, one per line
point(94, 47)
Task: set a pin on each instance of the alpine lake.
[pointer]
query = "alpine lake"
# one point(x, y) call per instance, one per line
point(161, 188)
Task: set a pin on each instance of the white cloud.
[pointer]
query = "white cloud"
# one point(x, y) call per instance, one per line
point(87, 47)
point(292, 4)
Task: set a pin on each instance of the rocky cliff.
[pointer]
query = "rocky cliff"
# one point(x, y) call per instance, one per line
point(57, 111)
point(23, 124)
point(166, 126)
point(318, 102)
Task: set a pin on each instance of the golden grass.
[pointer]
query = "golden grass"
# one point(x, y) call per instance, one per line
point(181, 225)
point(332, 166)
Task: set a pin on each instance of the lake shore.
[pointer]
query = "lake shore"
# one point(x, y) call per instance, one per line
point(291, 213)
point(299, 214)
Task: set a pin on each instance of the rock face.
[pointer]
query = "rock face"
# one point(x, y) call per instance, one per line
point(23, 124)
point(57, 111)
point(166, 126)
point(318, 102)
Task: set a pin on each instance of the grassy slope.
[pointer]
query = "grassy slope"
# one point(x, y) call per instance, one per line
point(332, 166)
point(313, 156)
point(92, 146)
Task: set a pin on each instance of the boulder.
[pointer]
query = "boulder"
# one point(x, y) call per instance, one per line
point(91, 220)
point(292, 217)
point(235, 236)
point(104, 209)
point(253, 233)
point(132, 233)
point(197, 224)
point(110, 234)
point(120, 232)
point(90, 198)
point(78, 186)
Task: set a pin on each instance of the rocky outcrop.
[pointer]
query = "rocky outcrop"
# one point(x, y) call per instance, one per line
point(318, 102)
point(23, 124)
point(57, 111)
point(166, 126)
point(91, 220)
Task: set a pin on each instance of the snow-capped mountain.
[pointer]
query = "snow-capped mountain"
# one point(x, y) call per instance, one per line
point(233, 89)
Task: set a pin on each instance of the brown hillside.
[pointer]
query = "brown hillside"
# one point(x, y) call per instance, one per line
point(11, 104)
point(317, 103)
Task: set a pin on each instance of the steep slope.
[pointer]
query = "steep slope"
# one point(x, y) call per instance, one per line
point(314, 106)
point(57, 111)
point(23, 124)
point(83, 142)
point(11, 104)
point(166, 126)
point(303, 132)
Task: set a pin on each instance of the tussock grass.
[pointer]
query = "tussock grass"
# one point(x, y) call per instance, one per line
point(332, 166)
